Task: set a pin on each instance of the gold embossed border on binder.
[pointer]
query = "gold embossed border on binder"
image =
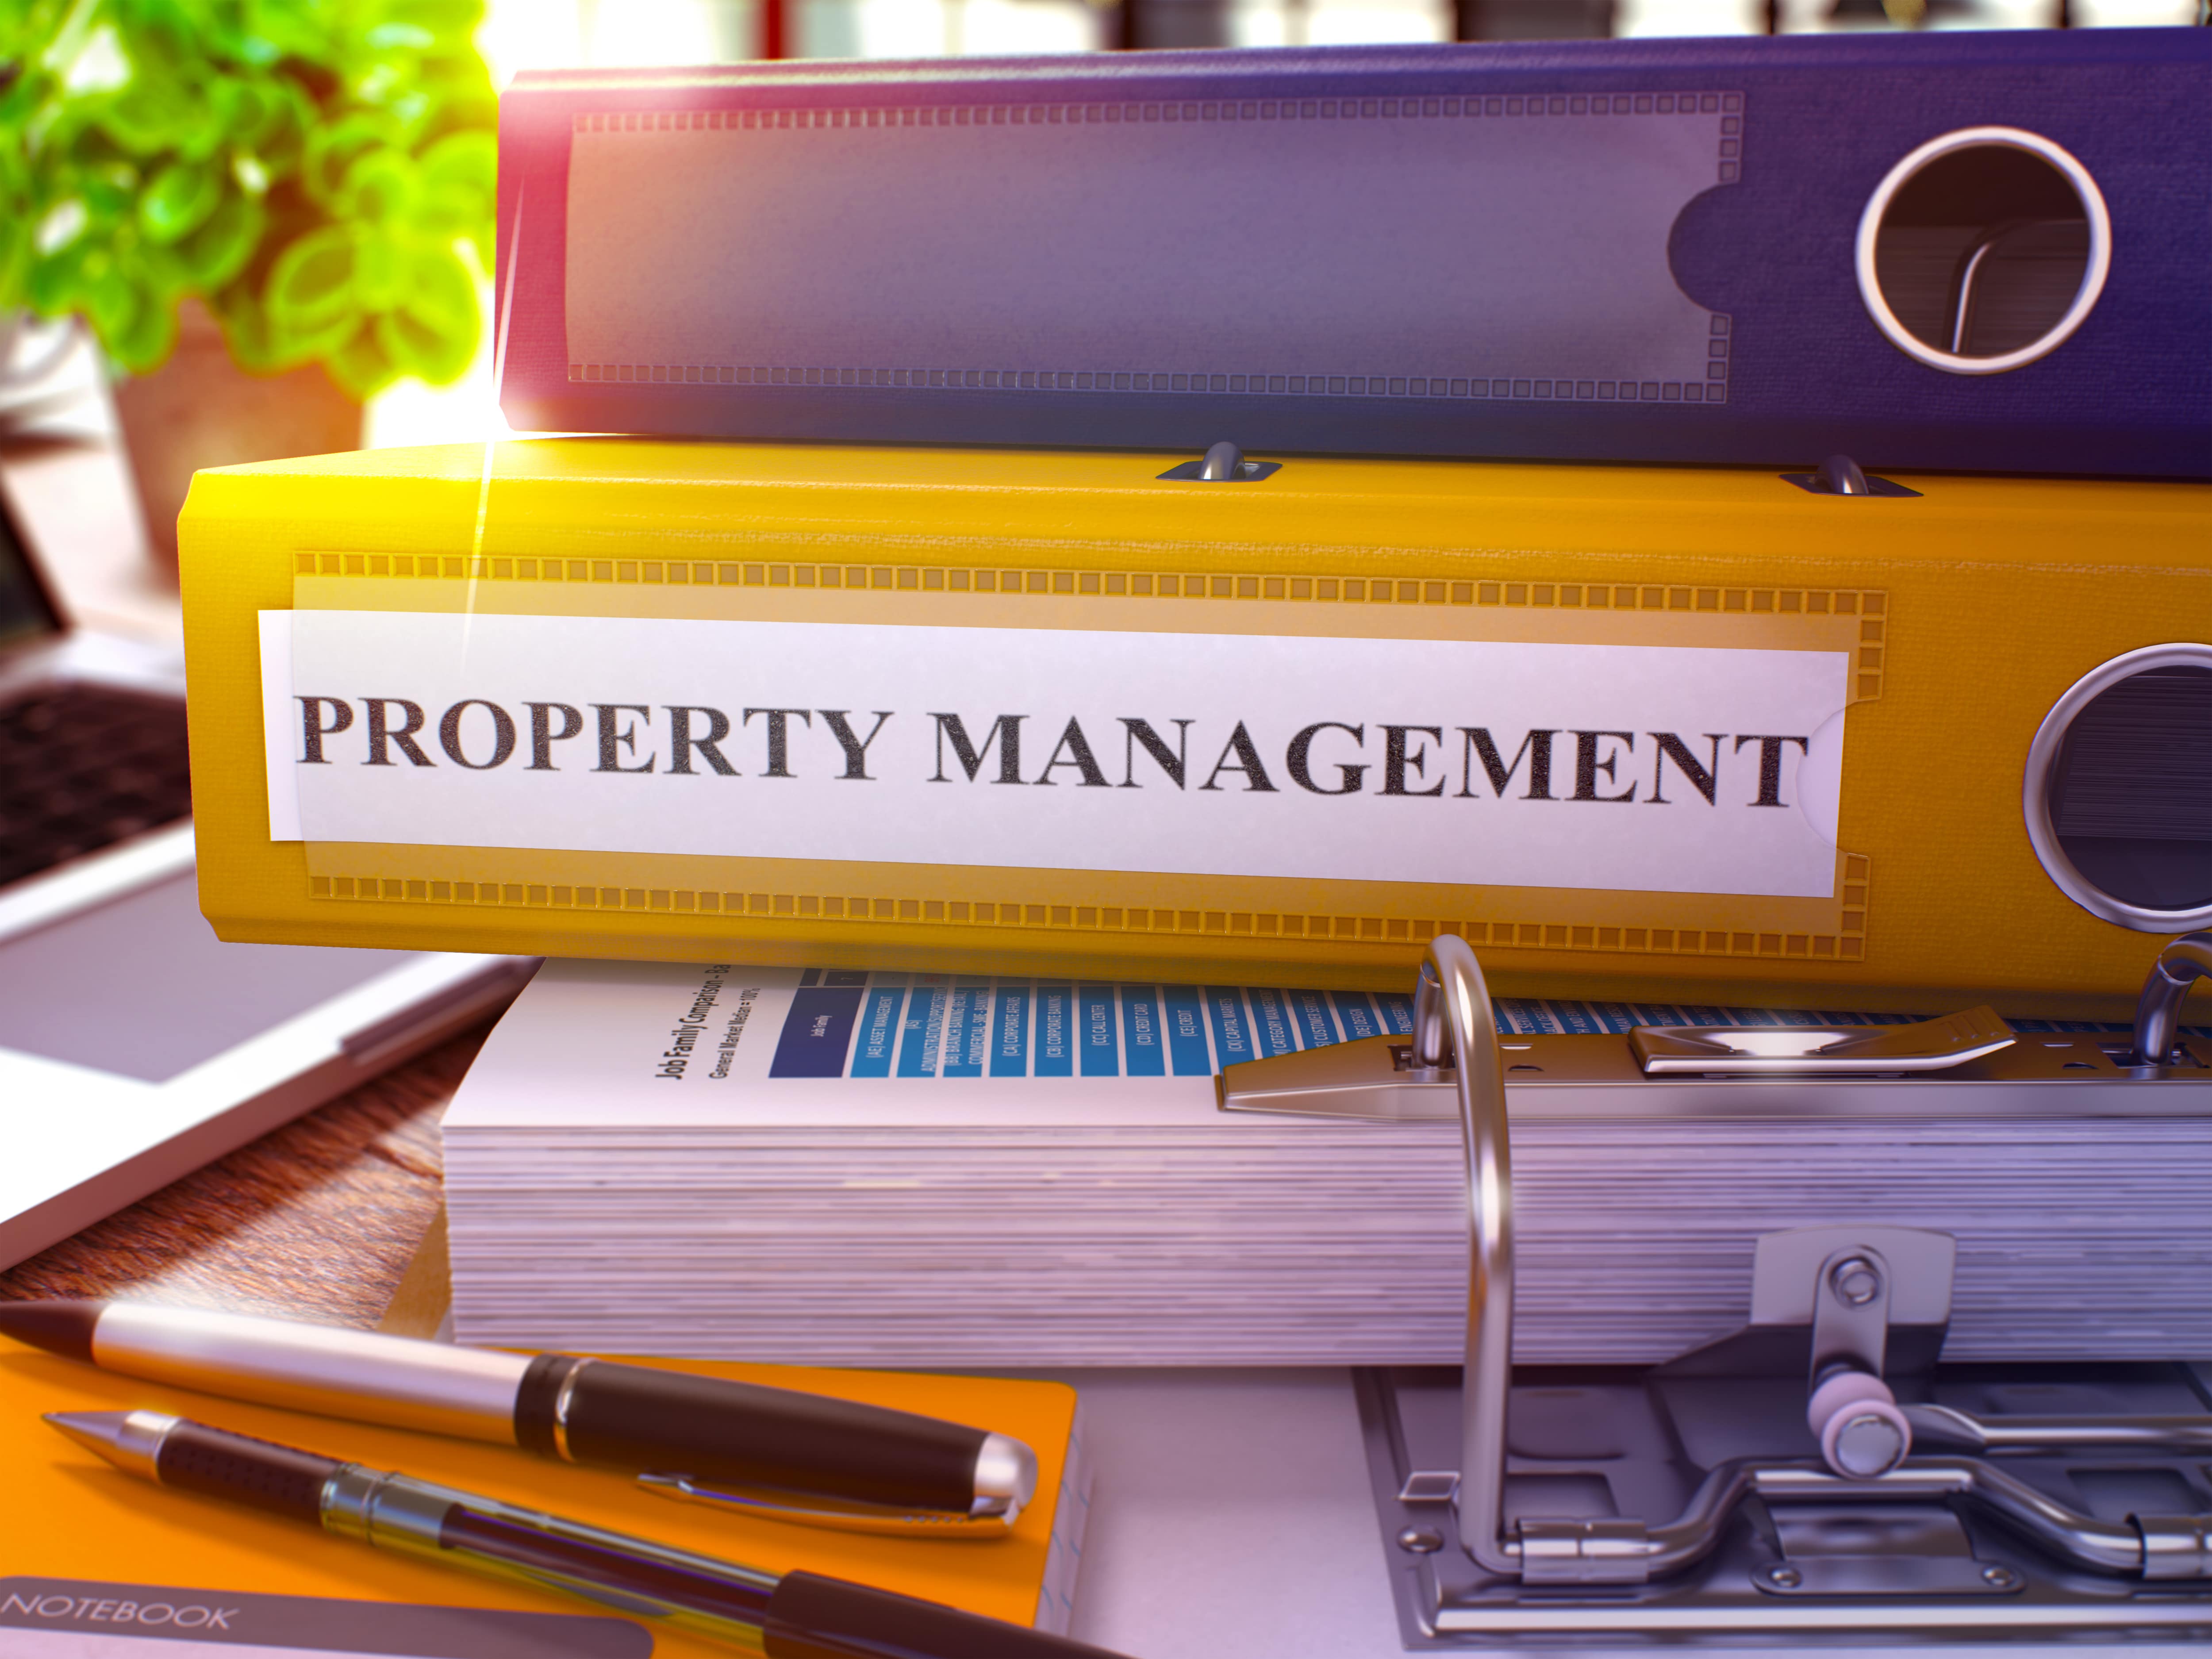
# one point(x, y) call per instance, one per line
point(1731, 926)
point(1862, 613)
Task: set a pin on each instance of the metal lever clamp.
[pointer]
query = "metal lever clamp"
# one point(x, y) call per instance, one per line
point(1705, 1570)
point(1452, 997)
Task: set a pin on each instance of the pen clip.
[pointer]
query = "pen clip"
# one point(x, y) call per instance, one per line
point(842, 1515)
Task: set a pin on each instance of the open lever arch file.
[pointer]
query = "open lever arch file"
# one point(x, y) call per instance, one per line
point(849, 1167)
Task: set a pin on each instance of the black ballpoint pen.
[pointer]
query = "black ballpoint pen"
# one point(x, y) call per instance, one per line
point(796, 1615)
point(775, 1453)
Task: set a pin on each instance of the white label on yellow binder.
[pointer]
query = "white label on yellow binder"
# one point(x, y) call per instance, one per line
point(1646, 768)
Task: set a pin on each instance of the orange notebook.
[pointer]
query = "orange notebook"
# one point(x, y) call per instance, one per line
point(70, 1518)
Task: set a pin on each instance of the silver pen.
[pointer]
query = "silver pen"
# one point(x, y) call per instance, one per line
point(793, 1615)
point(778, 1454)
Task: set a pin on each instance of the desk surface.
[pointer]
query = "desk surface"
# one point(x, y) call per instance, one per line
point(315, 1220)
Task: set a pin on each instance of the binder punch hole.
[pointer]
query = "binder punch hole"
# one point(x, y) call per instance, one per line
point(1822, 1476)
point(1984, 250)
point(2117, 789)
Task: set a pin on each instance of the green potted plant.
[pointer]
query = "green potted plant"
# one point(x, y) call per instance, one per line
point(265, 210)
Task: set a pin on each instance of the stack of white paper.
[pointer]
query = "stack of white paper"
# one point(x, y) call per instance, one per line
point(885, 1169)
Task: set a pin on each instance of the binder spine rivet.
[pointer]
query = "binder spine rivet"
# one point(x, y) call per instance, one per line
point(1856, 1281)
point(1222, 462)
point(1841, 475)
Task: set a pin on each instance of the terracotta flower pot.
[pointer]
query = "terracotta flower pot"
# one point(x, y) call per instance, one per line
point(200, 409)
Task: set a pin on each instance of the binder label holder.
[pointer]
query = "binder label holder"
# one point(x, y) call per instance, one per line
point(1822, 1476)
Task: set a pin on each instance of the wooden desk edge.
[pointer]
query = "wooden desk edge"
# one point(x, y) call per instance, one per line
point(423, 1299)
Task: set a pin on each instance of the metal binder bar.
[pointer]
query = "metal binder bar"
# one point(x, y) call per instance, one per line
point(1947, 1425)
point(1969, 1064)
point(1931, 1045)
point(1452, 999)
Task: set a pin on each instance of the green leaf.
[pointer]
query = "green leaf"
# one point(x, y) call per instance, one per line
point(435, 333)
point(220, 247)
point(409, 347)
point(291, 115)
point(177, 201)
point(145, 344)
point(463, 160)
point(14, 260)
point(443, 20)
point(399, 37)
point(261, 114)
point(246, 330)
point(382, 270)
point(77, 278)
point(291, 344)
point(154, 271)
point(108, 190)
point(228, 103)
point(380, 187)
point(360, 367)
point(64, 226)
point(271, 30)
point(443, 296)
point(102, 295)
point(312, 279)
point(258, 50)
point(155, 114)
point(412, 106)
point(459, 181)
point(332, 150)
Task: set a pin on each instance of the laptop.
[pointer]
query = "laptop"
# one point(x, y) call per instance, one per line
point(135, 1046)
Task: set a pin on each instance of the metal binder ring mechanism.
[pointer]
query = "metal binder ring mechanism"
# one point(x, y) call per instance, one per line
point(1452, 999)
point(1867, 1541)
point(2158, 1011)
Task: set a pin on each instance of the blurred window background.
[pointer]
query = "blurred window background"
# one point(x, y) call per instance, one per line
point(605, 34)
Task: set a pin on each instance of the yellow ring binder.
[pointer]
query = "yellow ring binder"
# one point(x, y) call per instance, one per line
point(1999, 593)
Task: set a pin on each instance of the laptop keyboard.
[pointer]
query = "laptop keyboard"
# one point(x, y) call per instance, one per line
point(83, 766)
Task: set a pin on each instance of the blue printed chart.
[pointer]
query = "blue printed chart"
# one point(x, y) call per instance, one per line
point(853, 1024)
point(847, 1023)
